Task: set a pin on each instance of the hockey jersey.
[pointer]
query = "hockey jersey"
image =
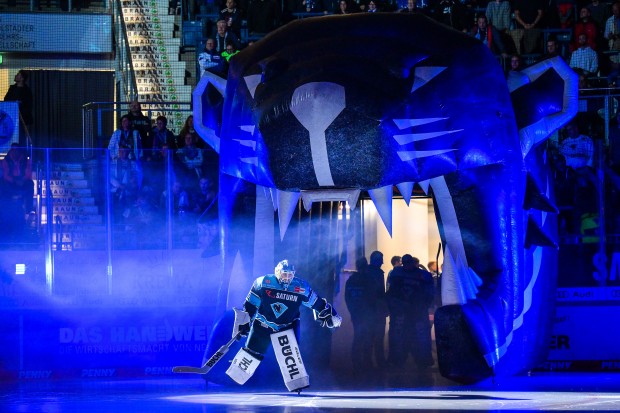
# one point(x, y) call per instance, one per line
point(277, 306)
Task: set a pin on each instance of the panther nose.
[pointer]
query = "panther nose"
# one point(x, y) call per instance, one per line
point(316, 105)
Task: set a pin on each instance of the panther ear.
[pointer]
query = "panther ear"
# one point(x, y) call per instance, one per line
point(208, 99)
point(544, 97)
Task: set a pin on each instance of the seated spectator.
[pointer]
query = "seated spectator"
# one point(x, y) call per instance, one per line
point(225, 36)
point(372, 7)
point(160, 135)
point(128, 137)
point(488, 35)
point(125, 175)
point(210, 60)
point(17, 177)
point(188, 127)
point(206, 197)
point(191, 157)
point(311, 6)
point(564, 188)
point(229, 52)
point(412, 7)
point(552, 49)
point(343, 7)
point(584, 59)
point(577, 149)
point(181, 203)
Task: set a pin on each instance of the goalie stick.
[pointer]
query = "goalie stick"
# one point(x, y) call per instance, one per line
point(211, 362)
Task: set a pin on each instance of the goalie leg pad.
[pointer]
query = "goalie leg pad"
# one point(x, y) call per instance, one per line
point(289, 359)
point(243, 366)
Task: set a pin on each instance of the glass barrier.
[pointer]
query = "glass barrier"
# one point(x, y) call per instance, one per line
point(158, 202)
point(115, 201)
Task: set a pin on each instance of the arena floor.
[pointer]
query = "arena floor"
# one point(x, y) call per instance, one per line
point(538, 392)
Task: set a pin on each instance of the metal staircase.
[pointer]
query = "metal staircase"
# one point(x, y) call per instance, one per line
point(155, 57)
point(77, 220)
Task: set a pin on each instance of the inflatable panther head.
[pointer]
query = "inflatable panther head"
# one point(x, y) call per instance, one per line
point(326, 107)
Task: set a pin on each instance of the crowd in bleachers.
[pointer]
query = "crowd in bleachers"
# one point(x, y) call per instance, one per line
point(585, 33)
point(148, 160)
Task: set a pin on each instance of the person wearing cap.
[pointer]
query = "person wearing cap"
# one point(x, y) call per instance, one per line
point(409, 294)
point(270, 315)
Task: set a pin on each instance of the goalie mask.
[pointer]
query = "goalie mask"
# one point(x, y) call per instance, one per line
point(285, 272)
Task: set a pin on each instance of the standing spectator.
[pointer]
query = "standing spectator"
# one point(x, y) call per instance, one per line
point(528, 15)
point(17, 176)
point(210, 59)
point(125, 180)
point(358, 293)
point(20, 92)
point(377, 278)
point(161, 135)
point(612, 34)
point(599, 12)
point(396, 261)
point(410, 293)
point(262, 16)
point(453, 13)
point(498, 13)
point(125, 136)
point(584, 58)
point(232, 16)
point(562, 15)
point(585, 25)
point(488, 35)
point(139, 121)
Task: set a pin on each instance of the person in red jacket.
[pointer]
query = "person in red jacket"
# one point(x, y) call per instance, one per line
point(587, 26)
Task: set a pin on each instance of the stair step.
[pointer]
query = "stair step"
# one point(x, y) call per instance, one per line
point(69, 192)
point(161, 73)
point(83, 236)
point(74, 209)
point(84, 228)
point(72, 201)
point(68, 175)
point(69, 167)
point(79, 219)
point(66, 183)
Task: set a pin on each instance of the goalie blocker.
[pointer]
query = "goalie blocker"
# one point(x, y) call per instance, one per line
point(288, 356)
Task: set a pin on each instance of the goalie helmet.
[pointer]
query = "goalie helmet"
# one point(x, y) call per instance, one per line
point(285, 272)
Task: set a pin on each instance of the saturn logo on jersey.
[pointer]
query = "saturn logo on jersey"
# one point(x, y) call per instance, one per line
point(281, 296)
point(278, 309)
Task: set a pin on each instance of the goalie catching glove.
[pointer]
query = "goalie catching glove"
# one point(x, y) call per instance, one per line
point(328, 317)
point(242, 323)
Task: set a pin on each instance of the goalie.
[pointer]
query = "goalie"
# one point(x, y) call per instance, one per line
point(271, 315)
